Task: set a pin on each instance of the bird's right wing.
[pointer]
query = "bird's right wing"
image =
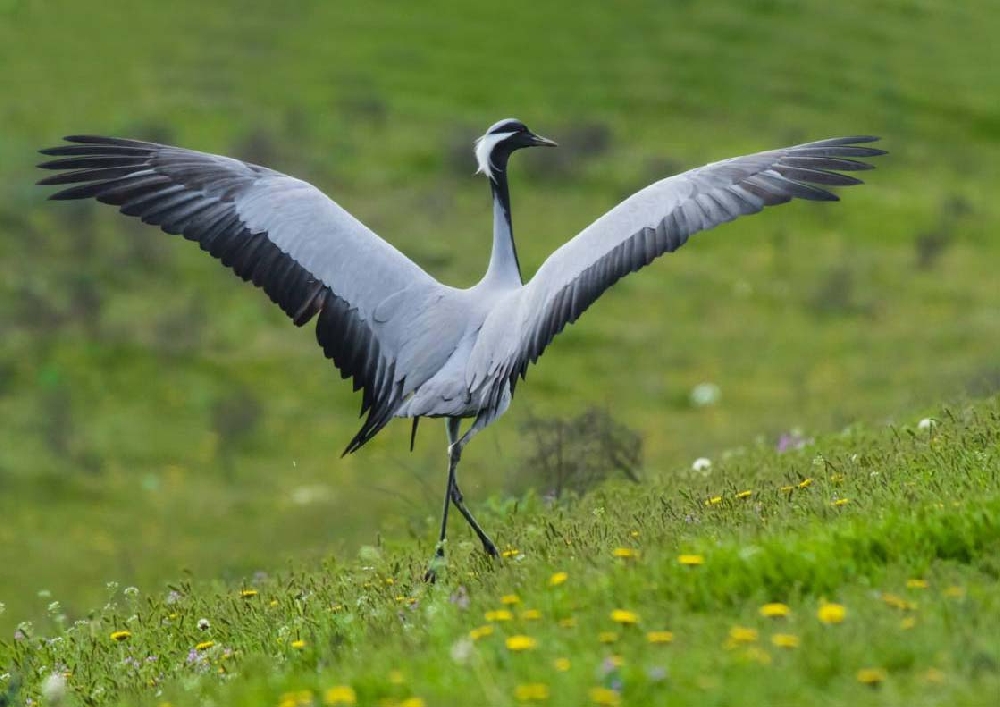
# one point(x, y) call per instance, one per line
point(309, 255)
point(657, 220)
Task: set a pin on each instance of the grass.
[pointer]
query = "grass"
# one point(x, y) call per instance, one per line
point(879, 547)
point(160, 420)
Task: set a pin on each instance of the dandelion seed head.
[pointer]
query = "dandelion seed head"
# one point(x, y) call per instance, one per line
point(701, 464)
point(53, 688)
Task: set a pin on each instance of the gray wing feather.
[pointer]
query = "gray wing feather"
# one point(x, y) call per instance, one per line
point(309, 255)
point(656, 220)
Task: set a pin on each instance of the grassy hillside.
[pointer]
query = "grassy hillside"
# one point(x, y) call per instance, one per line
point(862, 569)
point(160, 419)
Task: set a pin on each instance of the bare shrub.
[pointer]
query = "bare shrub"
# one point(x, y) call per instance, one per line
point(577, 453)
point(931, 244)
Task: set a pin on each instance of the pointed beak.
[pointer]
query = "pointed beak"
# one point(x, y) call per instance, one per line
point(538, 140)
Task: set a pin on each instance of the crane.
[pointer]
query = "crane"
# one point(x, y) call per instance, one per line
point(416, 347)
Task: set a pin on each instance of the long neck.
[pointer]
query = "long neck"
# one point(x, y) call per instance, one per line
point(504, 268)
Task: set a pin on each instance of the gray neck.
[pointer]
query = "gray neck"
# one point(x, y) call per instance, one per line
point(504, 268)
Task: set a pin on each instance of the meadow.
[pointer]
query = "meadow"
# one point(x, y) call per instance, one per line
point(162, 425)
point(859, 569)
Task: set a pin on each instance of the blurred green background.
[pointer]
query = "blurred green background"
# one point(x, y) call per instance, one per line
point(160, 418)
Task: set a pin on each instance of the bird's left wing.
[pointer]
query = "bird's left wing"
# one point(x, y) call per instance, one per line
point(657, 220)
point(308, 254)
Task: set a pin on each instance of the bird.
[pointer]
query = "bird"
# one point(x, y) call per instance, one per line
point(415, 347)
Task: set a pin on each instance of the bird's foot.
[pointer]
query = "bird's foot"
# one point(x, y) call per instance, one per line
point(490, 548)
point(436, 563)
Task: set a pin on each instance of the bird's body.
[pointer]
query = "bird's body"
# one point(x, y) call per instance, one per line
point(414, 346)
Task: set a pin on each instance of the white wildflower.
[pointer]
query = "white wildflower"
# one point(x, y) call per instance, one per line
point(204, 625)
point(705, 394)
point(701, 464)
point(928, 423)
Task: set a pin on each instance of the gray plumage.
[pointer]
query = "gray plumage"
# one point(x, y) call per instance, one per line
point(413, 346)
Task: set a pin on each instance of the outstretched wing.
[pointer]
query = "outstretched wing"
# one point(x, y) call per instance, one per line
point(660, 219)
point(309, 255)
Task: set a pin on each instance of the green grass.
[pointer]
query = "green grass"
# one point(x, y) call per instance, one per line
point(899, 526)
point(129, 363)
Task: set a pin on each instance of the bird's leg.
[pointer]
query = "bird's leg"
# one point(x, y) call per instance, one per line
point(488, 546)
point(456, 494)
point(454, 454)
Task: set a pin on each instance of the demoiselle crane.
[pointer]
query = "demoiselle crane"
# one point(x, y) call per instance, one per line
point(413, 346)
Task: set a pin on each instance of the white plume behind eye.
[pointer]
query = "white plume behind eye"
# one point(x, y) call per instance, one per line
point(484, 148)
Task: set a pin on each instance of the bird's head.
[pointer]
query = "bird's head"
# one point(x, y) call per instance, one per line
point(494, 148)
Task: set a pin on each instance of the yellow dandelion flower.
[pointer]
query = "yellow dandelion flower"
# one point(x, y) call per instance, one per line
point(916, 584)
point(274, 602)
point(298, 644)
point(521, 643)
point(299, 698)
point(248, 593)
point(933, 675)
point(621, 616)
point(897, 602)
point(870, 676)
point(340, 695)
point(389, 581)
point(557, 579)
point(499, 616)
point(568, 622)
point(786, 489)
point(481, 632)
point(805, 483)
point(605, 697)
point(616, 661)
point(954, 592)
point(836, 478)
point(739, 634)
point(784, 640)
point(831, 613)
point(908, 623)
point(660, 636)
point(607, 637)
point(691, 559)
point(775, 610)
point(625, 552)
point(562, 664)
point(510, 599)
point(531, 615)
point(413, 702)
point(120, 635)
point(634, 534)
point(841, 502)
point(204, 645)
point(713, 501)
point(745, 494)
point(531, 692)
point(511, 552)
point(754, 654)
